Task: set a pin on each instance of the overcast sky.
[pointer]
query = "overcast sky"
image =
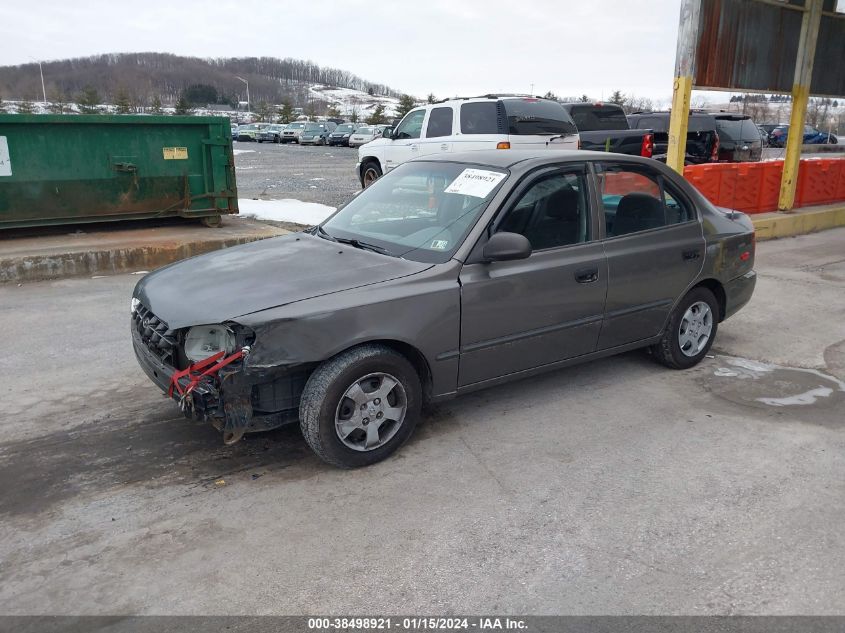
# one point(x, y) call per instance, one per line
point(448, 47)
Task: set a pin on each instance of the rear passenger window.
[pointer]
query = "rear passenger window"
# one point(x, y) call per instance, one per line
point(479, 118)
point(552, 212)
point(636, 199)
point(439, 123)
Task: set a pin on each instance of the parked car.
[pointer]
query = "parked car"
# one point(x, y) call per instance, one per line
point(702, 137)
point(234, 132)
point(453, 273)
point(272, 133)
point(251, 131)
point(604, 127)
point(812, 136)
point(739, 138)
point(316, 133)
point(292, 131)
point(342, 133)
point(489, 122)
point(365, 134)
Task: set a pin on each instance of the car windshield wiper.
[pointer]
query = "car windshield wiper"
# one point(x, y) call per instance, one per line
point(320, 231)
point(362, 245)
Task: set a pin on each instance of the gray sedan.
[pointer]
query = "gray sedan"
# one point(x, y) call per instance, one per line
point(449, 274)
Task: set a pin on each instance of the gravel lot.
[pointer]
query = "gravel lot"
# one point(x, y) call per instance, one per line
point(616, 487)
point(311, 174)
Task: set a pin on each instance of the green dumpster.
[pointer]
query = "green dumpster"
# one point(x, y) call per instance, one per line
point(57, 169)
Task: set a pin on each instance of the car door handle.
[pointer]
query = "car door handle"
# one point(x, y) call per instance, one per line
point(587, 275)
point(691, 255)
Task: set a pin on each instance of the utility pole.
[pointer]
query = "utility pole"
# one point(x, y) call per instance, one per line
point(247, 91)
point(41, 71)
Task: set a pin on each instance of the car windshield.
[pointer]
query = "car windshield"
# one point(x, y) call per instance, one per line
point(313, 128)
point(364, 131)
point(420, 211)
point(347, 127)
point(296, 126)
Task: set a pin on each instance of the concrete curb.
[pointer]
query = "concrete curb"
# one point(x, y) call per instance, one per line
point(798, 222)
point(118, 250)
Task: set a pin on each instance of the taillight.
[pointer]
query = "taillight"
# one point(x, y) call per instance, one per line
point(647, 147)
point(503, 145)
point(714, 153)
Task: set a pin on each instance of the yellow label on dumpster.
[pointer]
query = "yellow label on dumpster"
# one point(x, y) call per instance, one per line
point(175, 153)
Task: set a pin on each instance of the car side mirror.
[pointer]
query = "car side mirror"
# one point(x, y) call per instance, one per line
point(387, 133)
point(504, 246)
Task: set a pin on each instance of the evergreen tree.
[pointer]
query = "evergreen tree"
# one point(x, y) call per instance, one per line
point(550, 95)
point(59, 103)
point(333, 112)
point(286, 113)
point(378, 116)
point(264, 111)
point(406, 104)
point(2, 106)
point(617, 97)
point(122, 103)
point(182, 106)
point(26, 107)
point(155, 108)
point(431, 98)
point(89, 101)
point(584, 99)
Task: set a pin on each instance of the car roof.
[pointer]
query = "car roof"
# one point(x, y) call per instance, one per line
point(505, 159)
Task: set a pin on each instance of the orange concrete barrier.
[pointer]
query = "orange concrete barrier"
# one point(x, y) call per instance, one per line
point(755, 187)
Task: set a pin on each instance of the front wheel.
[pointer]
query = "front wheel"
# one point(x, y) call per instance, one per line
point(690, 332)
point(371, 173)
point(360, 406)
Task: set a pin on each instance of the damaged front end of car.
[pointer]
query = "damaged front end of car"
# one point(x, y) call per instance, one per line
point(206, 370)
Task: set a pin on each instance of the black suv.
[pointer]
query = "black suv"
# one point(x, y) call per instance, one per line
point(739, 138)
point(702, 135)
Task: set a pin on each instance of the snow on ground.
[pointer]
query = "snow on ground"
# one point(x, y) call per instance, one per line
point(348, 100)
point(242, 151)
point(286, 210)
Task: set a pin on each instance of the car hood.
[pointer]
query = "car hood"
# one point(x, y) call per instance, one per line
point(225, 284)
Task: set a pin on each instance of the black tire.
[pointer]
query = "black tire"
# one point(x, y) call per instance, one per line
point(668, 350)
point(370, 172)
point(212, 221)
point(324, 393)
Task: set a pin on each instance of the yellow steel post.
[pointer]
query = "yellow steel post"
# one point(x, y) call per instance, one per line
point(678, 123)
point(800, 96)
point(682, 88)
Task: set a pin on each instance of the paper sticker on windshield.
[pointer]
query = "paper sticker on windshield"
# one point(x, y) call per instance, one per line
point(475, 182)
point(440, 245)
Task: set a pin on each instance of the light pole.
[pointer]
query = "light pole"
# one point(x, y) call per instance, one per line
point(247, 91)
point(41, 71)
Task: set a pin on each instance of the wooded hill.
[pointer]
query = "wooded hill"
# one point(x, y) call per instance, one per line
point(144, 76)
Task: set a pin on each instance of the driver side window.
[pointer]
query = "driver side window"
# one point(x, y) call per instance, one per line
point(411, 125)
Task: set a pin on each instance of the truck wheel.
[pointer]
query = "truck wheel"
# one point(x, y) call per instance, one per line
point(370, 173)
point(690, 332)
point(212, 221)
point(360, 406)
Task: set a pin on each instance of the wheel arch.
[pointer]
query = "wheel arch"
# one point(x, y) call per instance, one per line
point(414, 356)
point(715, 286)
point(364, 161)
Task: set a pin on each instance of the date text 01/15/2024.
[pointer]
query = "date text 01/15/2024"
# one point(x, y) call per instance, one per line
point(419, 623)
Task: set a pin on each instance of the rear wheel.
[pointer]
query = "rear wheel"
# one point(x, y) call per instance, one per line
point(212, 221)
point(360, 406)
point(690, 332)
point(370, 172)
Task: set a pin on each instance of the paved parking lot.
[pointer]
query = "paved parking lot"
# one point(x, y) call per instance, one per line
point(618, 487)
